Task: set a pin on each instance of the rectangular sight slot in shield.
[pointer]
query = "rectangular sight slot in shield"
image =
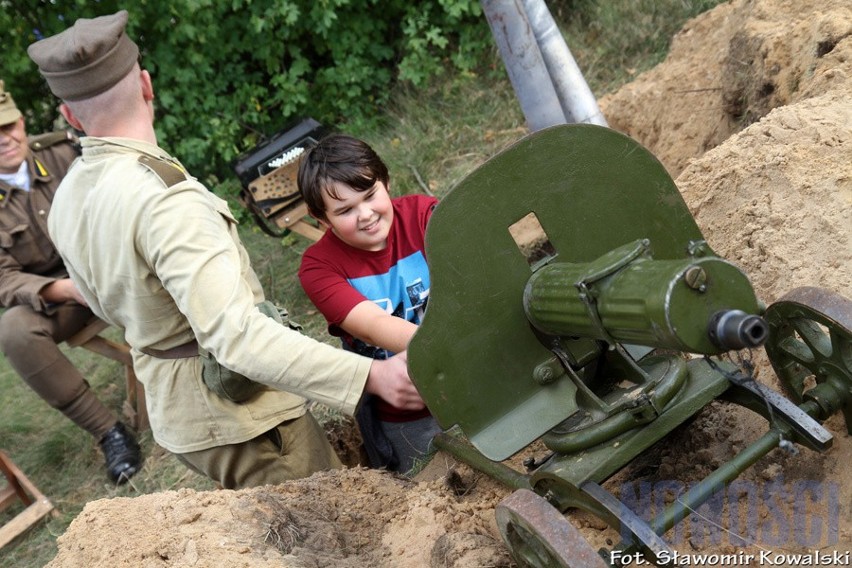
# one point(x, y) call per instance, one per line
point(531, 239)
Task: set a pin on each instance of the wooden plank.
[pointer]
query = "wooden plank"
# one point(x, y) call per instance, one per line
point(24, 521)
point(109, 349)
point(92, 329)
point(20, 488)
point(294, 217)
point(8, 497)
point(14, 476)
point(307, 230)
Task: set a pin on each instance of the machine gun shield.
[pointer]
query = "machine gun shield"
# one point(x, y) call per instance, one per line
point(475, 356)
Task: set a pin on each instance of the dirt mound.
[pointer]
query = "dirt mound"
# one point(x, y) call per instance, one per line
point(751, 111)
point(353, 518)
point(728, 68)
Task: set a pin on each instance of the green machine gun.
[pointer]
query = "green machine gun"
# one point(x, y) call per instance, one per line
point(605, 344)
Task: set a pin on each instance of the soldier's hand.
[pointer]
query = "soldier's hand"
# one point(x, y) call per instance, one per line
point(389, 380)
point(61, 291)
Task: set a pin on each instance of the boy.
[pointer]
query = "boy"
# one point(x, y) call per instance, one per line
point(368, 277)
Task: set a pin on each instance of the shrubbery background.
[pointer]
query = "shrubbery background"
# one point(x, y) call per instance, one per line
point(228, 73)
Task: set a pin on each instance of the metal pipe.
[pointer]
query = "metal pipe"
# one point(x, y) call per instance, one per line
point(575, 97)
point(607, 429)
point(704, 490)
point(524, 63)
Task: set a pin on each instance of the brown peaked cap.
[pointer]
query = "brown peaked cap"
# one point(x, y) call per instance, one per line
point(86, 59)
point(9, 112)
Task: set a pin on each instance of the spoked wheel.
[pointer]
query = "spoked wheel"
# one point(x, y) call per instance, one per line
point(539, 536)
point(810, 344)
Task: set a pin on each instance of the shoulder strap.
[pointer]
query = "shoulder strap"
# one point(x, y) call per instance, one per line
point(169, 173)
point(42, 141)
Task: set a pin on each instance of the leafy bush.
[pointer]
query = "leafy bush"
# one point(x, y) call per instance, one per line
point(228, 73)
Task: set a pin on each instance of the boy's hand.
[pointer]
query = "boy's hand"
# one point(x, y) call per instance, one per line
point(388, 379)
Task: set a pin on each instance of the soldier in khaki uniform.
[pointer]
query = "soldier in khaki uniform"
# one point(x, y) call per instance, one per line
point(44, 307)
point(157, 254)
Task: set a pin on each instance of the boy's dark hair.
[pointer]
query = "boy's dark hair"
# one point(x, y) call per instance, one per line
point(338, 158)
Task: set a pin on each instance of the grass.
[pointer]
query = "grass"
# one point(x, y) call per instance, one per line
point(430, 139)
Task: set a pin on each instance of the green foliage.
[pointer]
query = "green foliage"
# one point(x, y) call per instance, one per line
point(228, 74)
point(427, 31)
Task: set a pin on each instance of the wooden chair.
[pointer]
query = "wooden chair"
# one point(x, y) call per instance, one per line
point(19, 488)
point(134, 404)
point(296, 219)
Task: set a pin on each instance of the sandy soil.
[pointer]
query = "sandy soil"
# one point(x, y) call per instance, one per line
point(751, 112)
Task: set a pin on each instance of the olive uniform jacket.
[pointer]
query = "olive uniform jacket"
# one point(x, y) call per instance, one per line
point(159, 256)
point(28, 259)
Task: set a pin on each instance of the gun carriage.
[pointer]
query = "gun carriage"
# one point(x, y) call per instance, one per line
point(607, 342)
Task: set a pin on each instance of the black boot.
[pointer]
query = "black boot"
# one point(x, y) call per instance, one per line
point(122, 454)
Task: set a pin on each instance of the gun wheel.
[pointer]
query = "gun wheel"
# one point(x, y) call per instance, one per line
point(810, 343)
point(539, 536)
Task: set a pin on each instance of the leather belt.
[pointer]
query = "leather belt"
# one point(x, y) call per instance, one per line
point(184, 351)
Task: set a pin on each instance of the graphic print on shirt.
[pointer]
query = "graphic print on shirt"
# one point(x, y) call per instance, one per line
point(403, 292)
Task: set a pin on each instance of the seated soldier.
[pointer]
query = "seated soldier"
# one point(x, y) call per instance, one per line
point(44, 307)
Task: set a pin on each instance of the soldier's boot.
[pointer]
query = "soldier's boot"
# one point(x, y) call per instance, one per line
point(122, 453)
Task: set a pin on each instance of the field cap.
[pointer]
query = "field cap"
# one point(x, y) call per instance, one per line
point(86, 59)
point(9, 113)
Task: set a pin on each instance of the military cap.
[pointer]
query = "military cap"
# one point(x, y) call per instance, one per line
point(9, 113)
point(86, 59)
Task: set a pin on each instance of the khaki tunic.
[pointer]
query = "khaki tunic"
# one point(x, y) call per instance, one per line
point(28, 259)
point(166, 265)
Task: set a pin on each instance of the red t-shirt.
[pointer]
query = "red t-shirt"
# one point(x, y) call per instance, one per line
point(337, 277)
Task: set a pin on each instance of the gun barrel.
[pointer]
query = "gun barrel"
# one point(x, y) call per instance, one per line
point(701, 305)
point(735, 329)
